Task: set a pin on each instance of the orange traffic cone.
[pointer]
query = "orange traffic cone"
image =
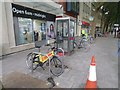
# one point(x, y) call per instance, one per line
point(91, 81)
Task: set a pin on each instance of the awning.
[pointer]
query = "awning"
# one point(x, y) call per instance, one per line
point(85, 23)
point(48, 6)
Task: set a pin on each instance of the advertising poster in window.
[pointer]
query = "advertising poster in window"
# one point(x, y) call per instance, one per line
point(50, 30)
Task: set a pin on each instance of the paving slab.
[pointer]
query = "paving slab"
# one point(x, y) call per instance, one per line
point(105, 51)
point(21, 80)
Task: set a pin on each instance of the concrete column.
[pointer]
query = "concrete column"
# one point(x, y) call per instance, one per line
point(0, 28)
point(8, 35)
point(5, 37)
point(10, 24)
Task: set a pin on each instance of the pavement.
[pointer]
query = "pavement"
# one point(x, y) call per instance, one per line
point(21, 80)
point(75, 76)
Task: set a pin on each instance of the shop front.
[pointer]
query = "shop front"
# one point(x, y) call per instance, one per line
point(32, 25)
point(25, 23)
point(85, 27)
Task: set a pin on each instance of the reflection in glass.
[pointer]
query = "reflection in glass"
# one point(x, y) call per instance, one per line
point(25, 34)
point(72, 26)
point(39, 28)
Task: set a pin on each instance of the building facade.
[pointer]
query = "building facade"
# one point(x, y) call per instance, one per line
point(88, 17)
point(25, 23)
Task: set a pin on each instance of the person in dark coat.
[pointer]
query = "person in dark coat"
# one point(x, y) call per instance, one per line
point(36, 36)
point(114, 32)
point(118, 33)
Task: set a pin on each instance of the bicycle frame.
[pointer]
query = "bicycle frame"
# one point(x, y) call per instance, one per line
point(45, 58)
point(39, 59)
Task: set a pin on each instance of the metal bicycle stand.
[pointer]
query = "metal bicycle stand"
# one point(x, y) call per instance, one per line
point(50, 79)
point(32, 65)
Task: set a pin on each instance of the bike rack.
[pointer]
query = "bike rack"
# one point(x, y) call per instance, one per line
point(50, 79)
point(41, 44)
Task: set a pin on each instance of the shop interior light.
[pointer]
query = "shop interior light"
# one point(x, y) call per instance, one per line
point(61, 6)
point(93, 9)
point(107, 12)
point(101, 7)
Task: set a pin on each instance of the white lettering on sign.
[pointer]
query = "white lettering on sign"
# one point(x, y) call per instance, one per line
point(28, 13)
point(17, 11)
point(39, 15)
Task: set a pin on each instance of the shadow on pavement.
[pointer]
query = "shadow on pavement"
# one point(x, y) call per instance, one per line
point(21, 80)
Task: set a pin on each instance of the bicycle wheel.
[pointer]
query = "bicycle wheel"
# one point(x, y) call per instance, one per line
point(75, 44)
point(30, 61)
point(56, 66)
point(85, 46)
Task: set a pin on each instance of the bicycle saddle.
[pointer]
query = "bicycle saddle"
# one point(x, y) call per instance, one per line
point(84, 38)
point(37, 46)
point(53, 48)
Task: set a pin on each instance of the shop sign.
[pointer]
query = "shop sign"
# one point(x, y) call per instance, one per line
point(21, 11)
point(85, 23)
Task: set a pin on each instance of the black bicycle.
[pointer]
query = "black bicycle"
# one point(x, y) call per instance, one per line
point(83, 44)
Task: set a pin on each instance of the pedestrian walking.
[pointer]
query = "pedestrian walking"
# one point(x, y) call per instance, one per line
point(36, 34)
point(115, 32)
point(111, 31)
point(118, 33)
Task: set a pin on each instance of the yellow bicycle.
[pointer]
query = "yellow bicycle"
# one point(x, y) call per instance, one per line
point(51, 59)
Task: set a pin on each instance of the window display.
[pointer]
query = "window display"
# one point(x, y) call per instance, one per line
point(30, 24)
point(39, 28)
point(50, 30)
point(28, 30)
point(24, 33)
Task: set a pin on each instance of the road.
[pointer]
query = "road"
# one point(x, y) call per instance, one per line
point(75, 76)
